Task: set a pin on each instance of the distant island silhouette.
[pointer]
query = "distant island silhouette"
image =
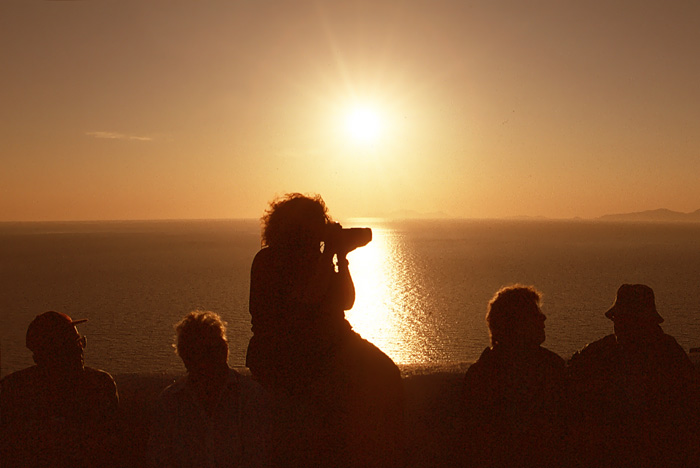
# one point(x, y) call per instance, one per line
point(662, 215)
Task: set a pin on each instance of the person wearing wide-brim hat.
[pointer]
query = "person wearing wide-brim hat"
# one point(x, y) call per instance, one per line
point(57, 413)
point(634, 314)
point(633, 392)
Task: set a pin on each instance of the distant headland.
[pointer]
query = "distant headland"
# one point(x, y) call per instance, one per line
point(661, 215)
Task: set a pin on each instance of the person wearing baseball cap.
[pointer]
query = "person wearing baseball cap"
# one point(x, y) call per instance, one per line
point(55, 342)
point(59, 412)
point(634, 392)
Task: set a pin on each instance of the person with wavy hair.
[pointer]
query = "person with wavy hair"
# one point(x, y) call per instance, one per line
point(512, 318)
point(289, 222)
point(300, 288)
point(213, 416)
point(513, 395)
point(346, 391)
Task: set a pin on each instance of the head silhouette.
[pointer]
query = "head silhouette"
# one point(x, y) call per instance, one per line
point(514, 317)
point(634, 313)
point(201, 342)
point(55, 342)
point(295, 221)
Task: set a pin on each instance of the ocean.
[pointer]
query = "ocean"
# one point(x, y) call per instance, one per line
point(422, 286)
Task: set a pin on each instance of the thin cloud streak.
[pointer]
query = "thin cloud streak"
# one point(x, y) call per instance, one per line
point(117, 136)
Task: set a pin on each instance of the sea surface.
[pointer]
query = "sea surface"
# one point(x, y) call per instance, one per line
point(422, 286)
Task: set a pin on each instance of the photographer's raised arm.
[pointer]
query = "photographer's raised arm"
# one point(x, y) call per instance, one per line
point(315, 286)
point(325, 284)
point(345, 285)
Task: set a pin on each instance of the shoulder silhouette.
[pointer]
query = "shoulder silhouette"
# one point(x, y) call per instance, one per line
point(513, 395)
point(213, 416)
point(340, 397)
point(58, 413)
point(633, 392)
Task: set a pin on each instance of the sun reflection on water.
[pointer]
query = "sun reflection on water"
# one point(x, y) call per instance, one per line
point(388, 305)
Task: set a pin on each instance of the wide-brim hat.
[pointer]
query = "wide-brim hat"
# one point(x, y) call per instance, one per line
point(635, 301)
point(50, 330)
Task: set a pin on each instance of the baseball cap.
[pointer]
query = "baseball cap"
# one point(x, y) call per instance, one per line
point(51, 330)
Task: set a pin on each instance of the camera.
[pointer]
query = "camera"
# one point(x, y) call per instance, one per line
point(352, 238)
point(347, 239)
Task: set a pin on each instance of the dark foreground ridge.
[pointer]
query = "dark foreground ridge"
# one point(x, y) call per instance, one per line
point(432, 394)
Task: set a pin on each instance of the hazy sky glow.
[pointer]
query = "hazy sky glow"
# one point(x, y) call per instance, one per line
point(135, 110)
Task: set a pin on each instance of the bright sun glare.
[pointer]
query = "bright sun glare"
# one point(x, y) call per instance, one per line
point(363, 125)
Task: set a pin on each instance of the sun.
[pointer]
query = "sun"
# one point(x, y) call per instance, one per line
point(363, 125)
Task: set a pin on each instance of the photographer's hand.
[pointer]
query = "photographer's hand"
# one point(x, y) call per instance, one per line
point(332, 239)
point(335, 248)
point(347, 286)
point(313, 288)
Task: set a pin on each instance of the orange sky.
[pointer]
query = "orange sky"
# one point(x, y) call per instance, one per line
point(136, 110)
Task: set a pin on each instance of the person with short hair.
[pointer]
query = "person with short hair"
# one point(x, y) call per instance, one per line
point(57, 413)
point(513, 395)
point(213, 416)
point(634, 392)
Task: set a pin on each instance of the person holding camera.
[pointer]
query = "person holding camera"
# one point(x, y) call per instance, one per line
point(340, 397)
point(300, 288)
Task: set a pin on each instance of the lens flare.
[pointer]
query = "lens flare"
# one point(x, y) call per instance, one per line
point(363, 125)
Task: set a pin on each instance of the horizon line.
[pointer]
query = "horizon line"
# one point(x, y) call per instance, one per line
point(601, 218)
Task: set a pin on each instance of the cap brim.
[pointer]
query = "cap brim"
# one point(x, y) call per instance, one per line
point(609, 314)
point(76, 322)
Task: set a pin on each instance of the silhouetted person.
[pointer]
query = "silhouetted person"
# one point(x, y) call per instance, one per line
point(57, 413)
point(634, 392)
point(212, 417)
point(513, 394)
point(342, 398)
point(297, 298)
